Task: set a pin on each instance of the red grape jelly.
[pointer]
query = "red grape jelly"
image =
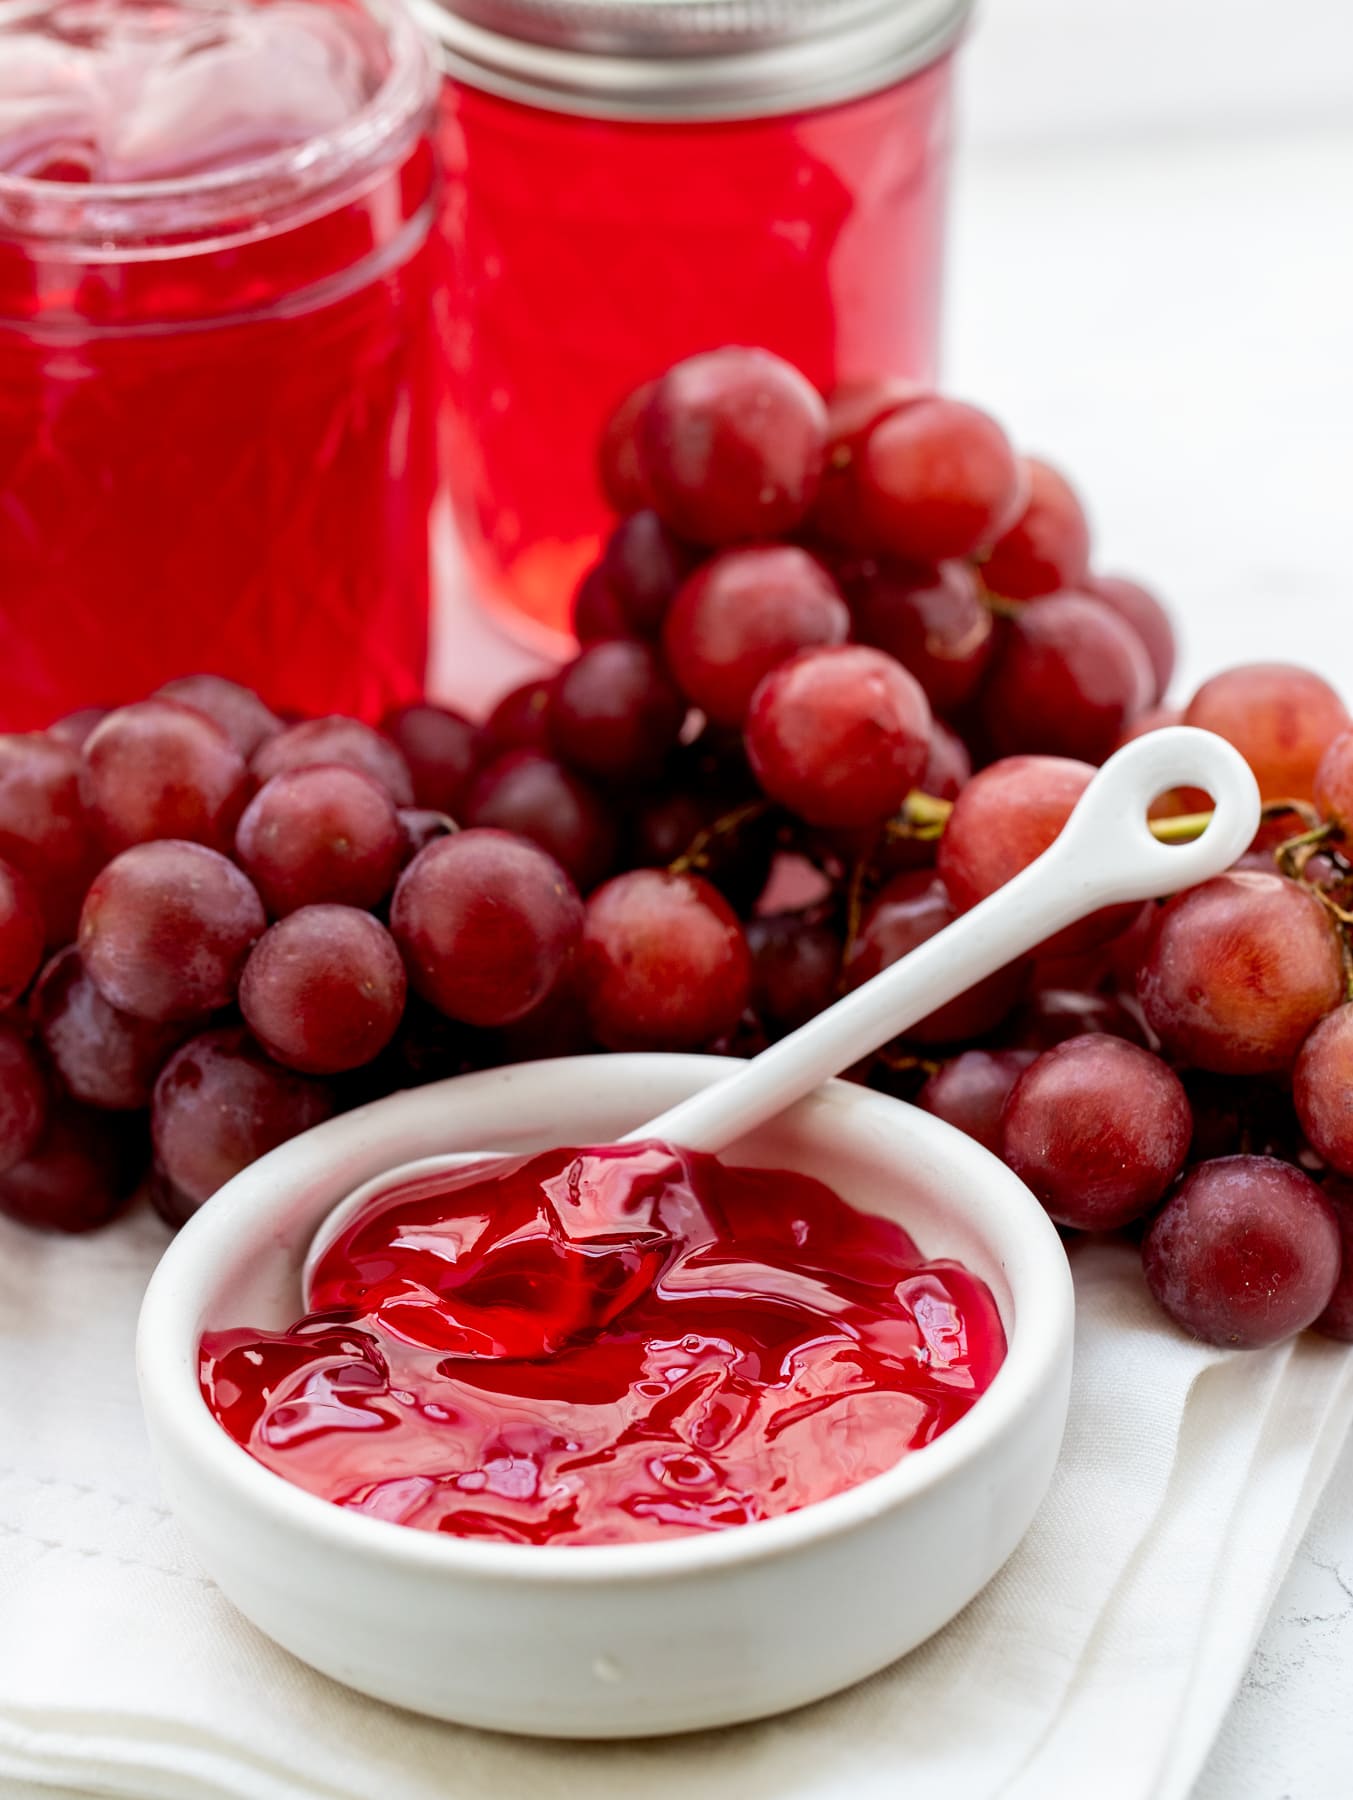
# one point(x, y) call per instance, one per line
point(607, 1346)
point(628, 184)
point(217, 409)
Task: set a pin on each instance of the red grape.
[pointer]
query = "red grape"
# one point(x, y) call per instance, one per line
point(76, 726)
point(1245, 1253)
point(739, 617)
point(665, 965)
point(1069, 675)
point(614, 711)
point(644, 564)
point(323, 990)
point(236, 710)
point(905, 913)
point(1147, 617)
point(735, 861)
point(486, 924)
point(938, 479)
point(665, 824)
point(970, 1091)
point(1333, 786)
point(1098, 1128)
point(417, 829)
point(44, 832)
point(795, 965)
point(520, 721)
point(1052, 1015)
point(337, 740)
point(427, 1047)
point(159, 769)
point(731, 445)
point(1231, 1113)
point(596, 611)
point(931, 620)
point(557, 1027)
point(166, 928)
point(439, 747)
point(1047, 547)
point(839, 736)
point(852, 413)
point(220, 1104)
point(1238, 971)
point(319, 834)
point(948, 768)
point(1124, 957)
point(1279, 717)
point(81, 1172)
point(1322, 1088)
point(1004, 819)
point(540, 799)
point(105, 1058)
point(618, 468)
point(21, 934)
point(23, 1098)
point(1337, 1319)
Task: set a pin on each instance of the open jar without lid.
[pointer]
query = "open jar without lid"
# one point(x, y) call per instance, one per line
point(217, 422)
point(630, 181)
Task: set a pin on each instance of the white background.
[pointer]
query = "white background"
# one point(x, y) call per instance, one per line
point(1152, 282)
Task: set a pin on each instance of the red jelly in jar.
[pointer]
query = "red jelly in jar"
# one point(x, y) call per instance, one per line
point(217, 409)
point(630, 183)
point(606, 1346)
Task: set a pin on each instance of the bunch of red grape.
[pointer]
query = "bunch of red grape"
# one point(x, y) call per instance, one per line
point(751, 789)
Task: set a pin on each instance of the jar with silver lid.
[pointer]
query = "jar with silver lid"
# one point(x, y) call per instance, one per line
point(630, 181)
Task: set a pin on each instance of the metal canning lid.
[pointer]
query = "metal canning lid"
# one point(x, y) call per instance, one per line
point(688, 59)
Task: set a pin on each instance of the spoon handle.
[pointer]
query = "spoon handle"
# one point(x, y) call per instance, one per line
point(1104, 855)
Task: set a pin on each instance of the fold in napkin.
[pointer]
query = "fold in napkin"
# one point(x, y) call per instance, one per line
point(1126, 1617)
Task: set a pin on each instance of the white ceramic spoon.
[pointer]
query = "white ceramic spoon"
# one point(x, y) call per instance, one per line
point(1105, 855)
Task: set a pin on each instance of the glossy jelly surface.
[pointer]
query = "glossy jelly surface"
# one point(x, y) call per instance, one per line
point(217, 419)
point(588, 255)
point(607, 1346)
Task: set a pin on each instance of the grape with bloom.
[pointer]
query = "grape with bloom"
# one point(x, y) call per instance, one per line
point(845, 665)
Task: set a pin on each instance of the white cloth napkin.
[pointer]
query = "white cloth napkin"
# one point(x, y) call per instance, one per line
point(1101, 1660)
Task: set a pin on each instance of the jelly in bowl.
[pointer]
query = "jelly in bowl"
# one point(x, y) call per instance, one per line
point(606, 1346)
point(692, 1626)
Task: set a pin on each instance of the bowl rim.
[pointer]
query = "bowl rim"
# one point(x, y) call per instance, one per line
point(1022, 1237)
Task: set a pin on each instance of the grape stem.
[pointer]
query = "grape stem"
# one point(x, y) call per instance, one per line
point(854, 914)
point(922, 816)
point(1294, 853)
point(696, 856)
point(1181, 830)
point(901, 1062)
point(1274, 809)
point(1000, 607)
point(1346, 955)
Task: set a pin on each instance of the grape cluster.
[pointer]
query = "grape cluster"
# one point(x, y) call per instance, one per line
point(844, 669)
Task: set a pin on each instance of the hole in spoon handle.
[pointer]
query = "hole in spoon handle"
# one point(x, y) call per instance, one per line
point(1109, 834)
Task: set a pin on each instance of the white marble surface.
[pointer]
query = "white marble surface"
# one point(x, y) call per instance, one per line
point(1173, 318)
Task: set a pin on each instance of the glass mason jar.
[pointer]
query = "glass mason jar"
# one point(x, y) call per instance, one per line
point(629, 181)
point(217, 365)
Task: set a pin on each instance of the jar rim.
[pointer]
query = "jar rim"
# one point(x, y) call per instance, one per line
point(688, 59)
point(255, 198)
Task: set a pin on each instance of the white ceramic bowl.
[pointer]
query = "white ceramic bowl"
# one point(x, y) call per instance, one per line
point(614, 1641)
